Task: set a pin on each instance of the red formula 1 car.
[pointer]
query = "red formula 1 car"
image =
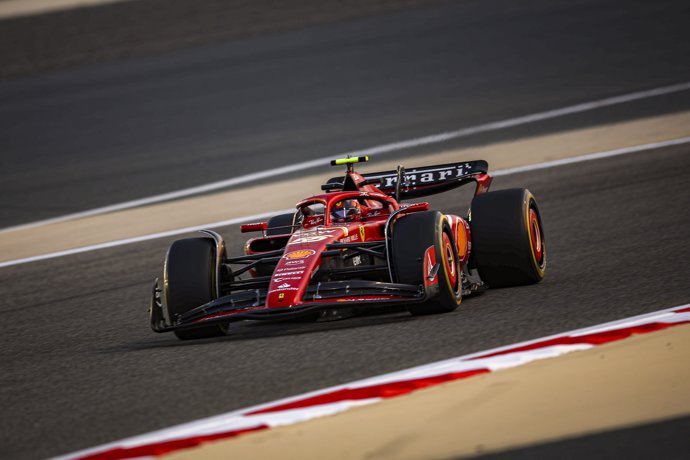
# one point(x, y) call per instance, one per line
point(356, 247)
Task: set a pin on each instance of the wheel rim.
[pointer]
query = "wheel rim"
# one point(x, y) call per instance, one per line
point(449, 261)
point(535, 237)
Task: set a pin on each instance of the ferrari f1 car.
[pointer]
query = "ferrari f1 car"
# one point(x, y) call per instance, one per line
point(356, 247)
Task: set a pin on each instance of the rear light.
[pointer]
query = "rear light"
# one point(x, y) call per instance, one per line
point(254, 227)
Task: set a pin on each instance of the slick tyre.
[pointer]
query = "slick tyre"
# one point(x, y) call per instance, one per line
point(281, 220)
point(508, 244)
point(412, 236)
point(189, 282)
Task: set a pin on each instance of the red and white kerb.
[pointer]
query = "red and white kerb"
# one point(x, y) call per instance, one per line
point(337, 399)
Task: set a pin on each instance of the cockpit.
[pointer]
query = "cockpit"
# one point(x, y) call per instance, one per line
point(350, 209)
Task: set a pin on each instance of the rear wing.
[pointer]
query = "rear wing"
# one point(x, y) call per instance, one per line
point(428, 180)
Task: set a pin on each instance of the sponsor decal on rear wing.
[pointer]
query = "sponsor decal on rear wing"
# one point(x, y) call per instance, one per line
point(428, 180)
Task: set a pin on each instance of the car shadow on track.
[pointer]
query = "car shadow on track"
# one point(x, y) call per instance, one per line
point(253, 330)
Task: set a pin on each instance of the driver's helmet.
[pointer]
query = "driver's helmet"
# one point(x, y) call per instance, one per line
point(346, 211)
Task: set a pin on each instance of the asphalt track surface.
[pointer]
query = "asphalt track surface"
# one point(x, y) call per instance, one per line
point(80, 366)
point(667, 439)
point(112, 132)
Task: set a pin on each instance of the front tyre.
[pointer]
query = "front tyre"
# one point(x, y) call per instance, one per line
point(508, 244)
point(189, 281)
point(412, 236)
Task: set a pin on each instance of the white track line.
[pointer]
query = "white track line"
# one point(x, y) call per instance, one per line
point(237, 220)
point(592, 156)
point(22, 8)
point(138, 239)
point(385, 148)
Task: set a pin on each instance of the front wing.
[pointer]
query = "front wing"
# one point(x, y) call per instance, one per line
point(249, 305)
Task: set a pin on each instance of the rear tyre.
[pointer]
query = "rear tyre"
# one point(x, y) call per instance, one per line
point(189, 281)
point(412, 235)
point(508, 242)
point(281, 220)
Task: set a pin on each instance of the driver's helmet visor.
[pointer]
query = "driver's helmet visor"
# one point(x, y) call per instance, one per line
point(343, 213)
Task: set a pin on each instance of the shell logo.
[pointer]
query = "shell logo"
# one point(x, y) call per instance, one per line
point(301, 254)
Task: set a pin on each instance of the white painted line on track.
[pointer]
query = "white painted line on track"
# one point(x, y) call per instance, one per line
point(22, 8)
point(237, 220)
point(592, 156)
point(138, 239)
point(337, 399)
point(385, 148)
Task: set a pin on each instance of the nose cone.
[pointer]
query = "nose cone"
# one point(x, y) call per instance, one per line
point(294, 270)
